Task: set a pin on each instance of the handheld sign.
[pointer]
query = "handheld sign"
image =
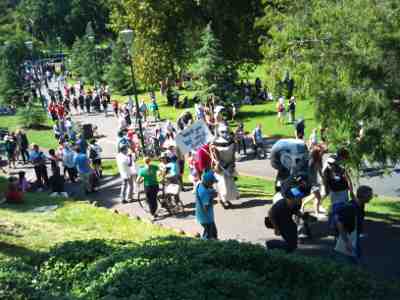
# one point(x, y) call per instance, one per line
point(193, 137)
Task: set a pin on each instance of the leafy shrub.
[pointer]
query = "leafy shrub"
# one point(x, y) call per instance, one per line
point(15, 280)
point(32, 117)
point(180, 268)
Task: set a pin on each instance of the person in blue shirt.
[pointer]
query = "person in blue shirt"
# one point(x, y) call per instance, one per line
point(82, 164)
point(205, 194)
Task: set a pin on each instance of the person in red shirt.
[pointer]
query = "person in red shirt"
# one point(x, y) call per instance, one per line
point(203, 162)
point(60, 111)
point(53, 110)
point(13, 195)
point(114, 105)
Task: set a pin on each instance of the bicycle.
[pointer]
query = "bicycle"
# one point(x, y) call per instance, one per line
point(167, 199)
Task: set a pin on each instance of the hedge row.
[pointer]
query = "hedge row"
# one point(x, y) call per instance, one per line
point(180, 268)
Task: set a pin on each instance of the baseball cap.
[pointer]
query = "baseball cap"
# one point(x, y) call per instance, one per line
point(209, 177)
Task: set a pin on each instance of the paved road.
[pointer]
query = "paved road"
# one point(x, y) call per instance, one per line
point(245, 221)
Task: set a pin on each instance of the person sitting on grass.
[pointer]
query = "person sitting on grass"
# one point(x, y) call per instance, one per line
point(12, 194)
point(57, 182)
point(23, 184)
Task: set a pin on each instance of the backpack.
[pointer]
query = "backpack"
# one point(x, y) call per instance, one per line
point(92, 153)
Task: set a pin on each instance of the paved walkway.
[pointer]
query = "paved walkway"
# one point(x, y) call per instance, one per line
point(245, 221)
point(235, 223)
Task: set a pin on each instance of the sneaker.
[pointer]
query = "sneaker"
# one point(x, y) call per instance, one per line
point(124, 201)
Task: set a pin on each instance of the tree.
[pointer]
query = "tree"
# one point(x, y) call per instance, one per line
point(86, 61)
point(162, 29)
point(210, 67)
point(233, 23)
point(64, 18)
point(12, 83)
point(348, 52)
point(117, 74)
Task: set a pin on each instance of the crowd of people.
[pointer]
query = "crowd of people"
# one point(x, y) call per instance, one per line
point(212, 168)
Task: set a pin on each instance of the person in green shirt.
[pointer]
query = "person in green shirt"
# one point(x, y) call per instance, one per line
point(148, 174)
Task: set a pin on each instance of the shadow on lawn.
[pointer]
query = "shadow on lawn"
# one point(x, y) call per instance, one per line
point(254, 114)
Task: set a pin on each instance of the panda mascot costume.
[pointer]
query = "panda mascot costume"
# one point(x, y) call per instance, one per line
point(290, 157)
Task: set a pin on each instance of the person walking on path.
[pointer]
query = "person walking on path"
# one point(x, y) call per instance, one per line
point(205, 194)
point(95, 156)
point(68, 161)
point(148, 173)
point(82, 164)
point(349, 221)
point(38, 160)
point(127, 171)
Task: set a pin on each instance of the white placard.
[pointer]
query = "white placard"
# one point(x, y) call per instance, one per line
point(193, 137)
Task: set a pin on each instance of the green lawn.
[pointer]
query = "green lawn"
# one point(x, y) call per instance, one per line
point(43, 138)
point(250, 115)
point(26, 233)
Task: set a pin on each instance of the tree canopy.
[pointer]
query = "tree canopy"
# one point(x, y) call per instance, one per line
point(346, 54)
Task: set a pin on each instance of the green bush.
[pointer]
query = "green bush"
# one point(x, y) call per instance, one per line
point(183, 268)
point(33, 117)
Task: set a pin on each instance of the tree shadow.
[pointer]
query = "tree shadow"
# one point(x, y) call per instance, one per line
point(254, 114)
point(12, 250)
point(250, 204)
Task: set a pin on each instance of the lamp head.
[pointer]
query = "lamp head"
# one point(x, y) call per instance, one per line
point(127, 36)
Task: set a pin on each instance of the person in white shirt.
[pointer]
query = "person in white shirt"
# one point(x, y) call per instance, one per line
point(95, 156)
point(128, 172)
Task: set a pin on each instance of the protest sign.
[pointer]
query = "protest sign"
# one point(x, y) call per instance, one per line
point(193, 137)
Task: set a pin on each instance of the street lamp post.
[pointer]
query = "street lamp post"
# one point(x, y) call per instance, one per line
point(127, 36)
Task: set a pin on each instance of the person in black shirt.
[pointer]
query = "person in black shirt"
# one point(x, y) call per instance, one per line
point(88, 102)
point(81, 102)
point(281, 215)
point(292, 110)
point(350, 217)
point(57, 182)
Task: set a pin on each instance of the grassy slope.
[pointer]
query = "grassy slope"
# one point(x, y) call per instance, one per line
point(26, 233)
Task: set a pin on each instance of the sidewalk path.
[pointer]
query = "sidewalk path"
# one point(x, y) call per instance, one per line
point(245, 222)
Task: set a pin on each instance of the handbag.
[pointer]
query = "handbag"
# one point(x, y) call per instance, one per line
point(341, 245)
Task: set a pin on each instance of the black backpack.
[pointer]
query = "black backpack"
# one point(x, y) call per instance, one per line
point(92, 153)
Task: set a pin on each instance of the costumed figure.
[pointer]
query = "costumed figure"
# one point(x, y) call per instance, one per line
point(289, 157)
point(223, 156)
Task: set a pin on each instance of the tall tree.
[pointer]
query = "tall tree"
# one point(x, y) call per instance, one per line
point(233, 23)
point(118, 75)
point(12, 83)
point(64, 18)
point(161, 31)
point(210, 67)
point(349, 53)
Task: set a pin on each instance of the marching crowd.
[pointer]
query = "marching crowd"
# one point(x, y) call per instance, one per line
point(211, 166)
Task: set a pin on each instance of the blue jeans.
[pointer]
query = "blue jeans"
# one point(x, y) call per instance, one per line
point(210, 231)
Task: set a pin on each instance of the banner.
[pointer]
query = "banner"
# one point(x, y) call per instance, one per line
point(193, 137)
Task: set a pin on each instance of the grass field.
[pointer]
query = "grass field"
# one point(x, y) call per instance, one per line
point(27, 233)
point(43, 138)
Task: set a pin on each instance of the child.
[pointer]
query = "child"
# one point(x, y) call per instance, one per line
point(13, 195)
point(57, 182)
point(23, 184)
point(193, 174)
